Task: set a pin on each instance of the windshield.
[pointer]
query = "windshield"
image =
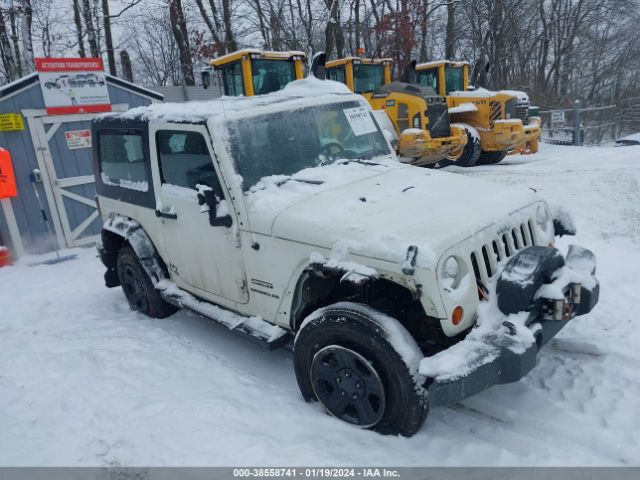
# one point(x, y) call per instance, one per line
point(271, 75)
point(367, 78)
point(454, 79)
point(283, 143)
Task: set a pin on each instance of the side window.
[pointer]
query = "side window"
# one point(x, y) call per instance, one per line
point(232, 76)
point(429, 78)
point(337, 74)
point(122, 159)
point(403, 116)
point(185, 160)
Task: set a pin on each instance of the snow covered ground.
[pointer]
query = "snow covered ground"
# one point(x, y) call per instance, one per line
point(84, 381)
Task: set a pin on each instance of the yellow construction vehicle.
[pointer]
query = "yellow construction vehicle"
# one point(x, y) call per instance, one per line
point(498, 123)
point(251, 72)
point(418, 114)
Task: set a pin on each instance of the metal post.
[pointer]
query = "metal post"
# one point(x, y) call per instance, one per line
point(576, 123)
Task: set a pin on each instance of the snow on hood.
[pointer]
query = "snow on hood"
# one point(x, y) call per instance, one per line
point(380, 210)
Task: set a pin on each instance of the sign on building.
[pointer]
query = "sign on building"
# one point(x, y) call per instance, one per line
point(73, 85)
point(11, 122)
point(78, 139)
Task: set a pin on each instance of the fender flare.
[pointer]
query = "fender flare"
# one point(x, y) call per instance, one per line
point(133, 233)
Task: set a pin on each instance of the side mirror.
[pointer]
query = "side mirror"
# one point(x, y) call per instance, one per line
point(210, 204)
point(205, 75)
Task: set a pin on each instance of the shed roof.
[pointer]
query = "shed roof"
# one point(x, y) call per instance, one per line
point(34, 78)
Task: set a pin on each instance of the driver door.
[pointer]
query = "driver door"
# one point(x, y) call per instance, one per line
point(203, 259)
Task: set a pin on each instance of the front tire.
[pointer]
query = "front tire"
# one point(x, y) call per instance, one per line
point(470, 153)
point(347, 358)
point(137, 287)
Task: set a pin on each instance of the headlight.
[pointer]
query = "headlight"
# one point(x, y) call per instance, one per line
point(542, 217)
point(450, 272)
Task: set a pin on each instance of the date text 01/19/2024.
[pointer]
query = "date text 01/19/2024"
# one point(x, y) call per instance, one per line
point(315, 472)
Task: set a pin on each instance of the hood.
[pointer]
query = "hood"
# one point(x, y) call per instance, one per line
point(389, 209)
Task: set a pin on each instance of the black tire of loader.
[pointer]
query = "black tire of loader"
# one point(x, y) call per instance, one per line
point(470, 154)
point(489, 158)
point(406, 402)
point(132, 277)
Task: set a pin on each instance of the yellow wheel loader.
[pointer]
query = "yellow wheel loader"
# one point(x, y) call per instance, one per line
point(497, 123)
point(251, 72)
point(418, 114)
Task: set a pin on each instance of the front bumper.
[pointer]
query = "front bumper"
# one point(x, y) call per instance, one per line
point(508, 366)
point(513, 136)
point(420, 149)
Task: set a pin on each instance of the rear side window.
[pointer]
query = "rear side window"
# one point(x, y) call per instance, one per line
point(185, 160)
point(122, 159)
point(337, 74)
point(232, 75)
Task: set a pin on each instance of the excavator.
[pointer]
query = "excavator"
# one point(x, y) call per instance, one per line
point(417, 115)
point(497, 123)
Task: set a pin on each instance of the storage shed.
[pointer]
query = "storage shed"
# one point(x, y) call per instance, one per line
point(59, 147)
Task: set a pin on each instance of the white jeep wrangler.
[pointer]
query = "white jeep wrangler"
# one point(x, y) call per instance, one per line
point(288, 218)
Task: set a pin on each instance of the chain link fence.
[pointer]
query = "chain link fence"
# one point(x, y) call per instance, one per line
point(579, 126)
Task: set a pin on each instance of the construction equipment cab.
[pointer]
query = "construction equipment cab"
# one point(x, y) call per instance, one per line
point(419, 115)
point(251, 72)
point(498, 123)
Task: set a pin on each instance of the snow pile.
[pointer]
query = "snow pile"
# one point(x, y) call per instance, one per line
point(463, 108)
point(562, 216)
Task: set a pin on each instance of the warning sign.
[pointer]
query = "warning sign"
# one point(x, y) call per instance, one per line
point(7, 179)
point(78, 139)
point(73, 85)
point(11, 122)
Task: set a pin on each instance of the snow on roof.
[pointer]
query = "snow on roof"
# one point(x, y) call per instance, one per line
point(437, 63)
point(300, 93)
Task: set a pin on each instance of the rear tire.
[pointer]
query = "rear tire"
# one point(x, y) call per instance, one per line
point(489, 158)
point(471, 152)
point(137, 287)
point(345, 350)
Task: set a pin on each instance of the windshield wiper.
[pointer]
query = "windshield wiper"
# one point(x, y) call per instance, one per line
point(301, 180)
point(363, 162)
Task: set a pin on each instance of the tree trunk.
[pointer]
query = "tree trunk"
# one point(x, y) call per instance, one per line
point(77, 18)
point(125, 64)
point(450, 47)
point(108, 39)
point(229, 41)
point(8, 62)
point(92, 36)
point(27, 38)
point(207, 20)
point(179, 29)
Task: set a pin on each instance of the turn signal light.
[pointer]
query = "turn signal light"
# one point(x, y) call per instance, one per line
point(456, 316)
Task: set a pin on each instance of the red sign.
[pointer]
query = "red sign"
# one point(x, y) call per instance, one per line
point(73, 85)
point(7, 178)
point(69, 64)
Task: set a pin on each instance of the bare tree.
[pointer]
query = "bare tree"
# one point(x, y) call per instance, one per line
point(179, 29)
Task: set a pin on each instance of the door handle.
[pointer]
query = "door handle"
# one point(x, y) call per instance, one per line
point(171, 216)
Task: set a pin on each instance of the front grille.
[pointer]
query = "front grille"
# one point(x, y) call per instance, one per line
point(510, 107)
point(496, 112)
point(522, 112)
point(486, 258)
point(438, 115)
